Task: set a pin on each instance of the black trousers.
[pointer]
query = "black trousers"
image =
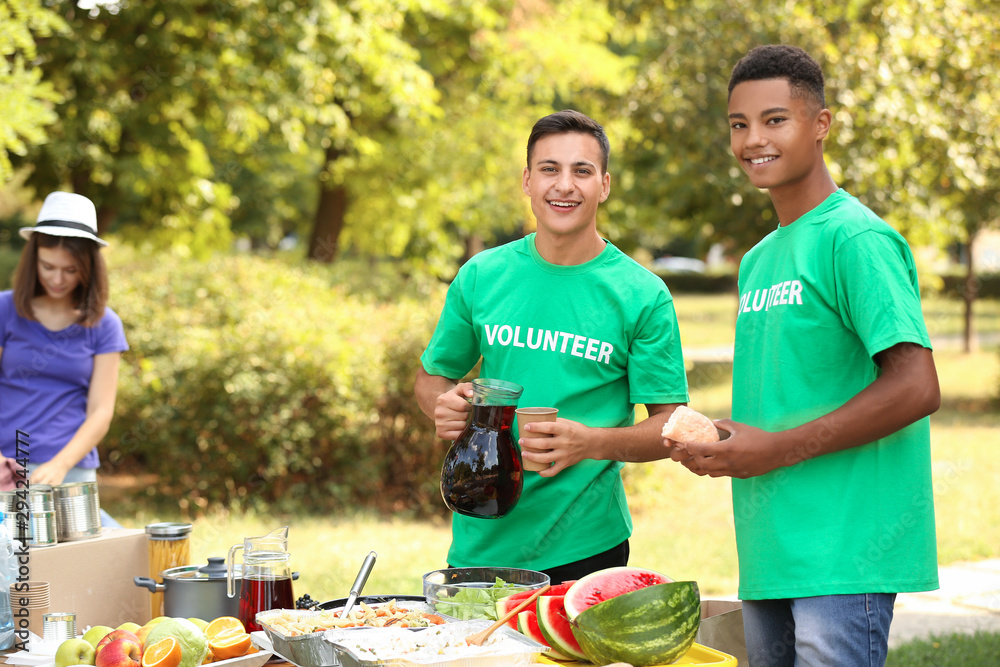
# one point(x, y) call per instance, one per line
point(613, 557)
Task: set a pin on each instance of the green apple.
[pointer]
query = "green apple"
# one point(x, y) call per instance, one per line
point(199, 622)
point(75, 651)
point(130, 626)
point(96, 634)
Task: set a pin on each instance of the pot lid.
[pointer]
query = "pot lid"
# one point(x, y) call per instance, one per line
point(214, 571)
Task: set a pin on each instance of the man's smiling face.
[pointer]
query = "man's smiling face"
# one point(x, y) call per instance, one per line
point(776, 136)
point(565, 183)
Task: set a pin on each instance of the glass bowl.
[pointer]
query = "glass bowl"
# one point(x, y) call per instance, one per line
point(471, 592)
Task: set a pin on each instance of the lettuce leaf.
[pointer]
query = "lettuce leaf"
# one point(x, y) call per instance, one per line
point(471, 602)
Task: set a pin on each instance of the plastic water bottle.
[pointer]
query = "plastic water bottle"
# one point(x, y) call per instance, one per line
point(6, 578)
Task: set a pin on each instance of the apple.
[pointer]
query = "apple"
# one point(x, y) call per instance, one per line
point(199, 622)
point(130, 626)
point(96, 634)
point(116, 635)
point(75, 651)
point(122, 652)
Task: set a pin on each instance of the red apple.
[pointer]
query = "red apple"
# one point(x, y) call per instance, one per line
point(117, 634)
point(120, 653)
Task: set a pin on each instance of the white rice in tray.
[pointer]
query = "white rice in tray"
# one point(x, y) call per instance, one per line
point(439, 645)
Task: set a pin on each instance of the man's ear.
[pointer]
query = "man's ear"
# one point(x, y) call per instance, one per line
point(606, 186)
point(525, 178)
point(823, 122)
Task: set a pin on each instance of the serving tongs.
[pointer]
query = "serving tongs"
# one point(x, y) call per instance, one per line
point(359, 583)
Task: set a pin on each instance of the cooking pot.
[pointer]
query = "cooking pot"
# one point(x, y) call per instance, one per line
point(193, 591)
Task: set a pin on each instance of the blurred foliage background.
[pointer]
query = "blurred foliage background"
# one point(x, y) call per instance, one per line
point(289, 185)
point(395, 128)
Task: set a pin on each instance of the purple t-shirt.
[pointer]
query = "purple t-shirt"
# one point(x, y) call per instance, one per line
point(44, 379)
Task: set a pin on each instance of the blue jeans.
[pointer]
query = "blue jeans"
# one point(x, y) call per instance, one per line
point(79, 474)
point(835, 630)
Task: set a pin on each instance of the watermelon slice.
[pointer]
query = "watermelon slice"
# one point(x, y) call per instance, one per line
point(606, 584)
point(504, 605)
point(555, 626)
point(527, 625)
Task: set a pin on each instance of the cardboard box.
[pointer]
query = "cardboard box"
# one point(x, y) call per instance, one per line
point(93, 577)
point(722, 628)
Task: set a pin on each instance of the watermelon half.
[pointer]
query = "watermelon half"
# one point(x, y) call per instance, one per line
point(527, 625)
point(654, 625)
point(504, 605)
point(605, 584)
point(555, 626)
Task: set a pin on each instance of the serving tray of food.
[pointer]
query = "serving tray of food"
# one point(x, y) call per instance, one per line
point(297, 635)
point(438, 646)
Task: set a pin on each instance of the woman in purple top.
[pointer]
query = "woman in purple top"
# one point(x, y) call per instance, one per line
point(60, 346)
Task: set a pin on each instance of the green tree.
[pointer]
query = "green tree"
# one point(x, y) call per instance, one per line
point(25, 99)
point(137, 82)
point(427, 184)
point(677, 177)
point(919, 130)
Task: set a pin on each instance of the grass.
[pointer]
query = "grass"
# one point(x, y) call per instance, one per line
point(683, 523)
point(957, 650)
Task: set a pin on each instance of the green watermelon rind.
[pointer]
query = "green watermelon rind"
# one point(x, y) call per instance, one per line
point(618, 579)
point(649, 626)
point(546, 608)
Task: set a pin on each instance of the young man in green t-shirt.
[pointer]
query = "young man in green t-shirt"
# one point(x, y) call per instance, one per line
point(833, 381)
point(583, 328)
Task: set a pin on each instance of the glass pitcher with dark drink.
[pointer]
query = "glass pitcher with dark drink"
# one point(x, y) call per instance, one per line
point(267, 576)
point(482, 475)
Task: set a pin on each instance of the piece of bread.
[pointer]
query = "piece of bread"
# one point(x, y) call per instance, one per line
point(686, 425)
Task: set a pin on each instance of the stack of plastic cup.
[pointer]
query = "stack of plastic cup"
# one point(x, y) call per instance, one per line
point(32, 597)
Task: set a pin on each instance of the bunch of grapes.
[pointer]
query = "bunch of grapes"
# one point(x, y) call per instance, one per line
point(305, 602)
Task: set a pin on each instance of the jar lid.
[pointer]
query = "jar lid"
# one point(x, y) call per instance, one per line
point(168, 530)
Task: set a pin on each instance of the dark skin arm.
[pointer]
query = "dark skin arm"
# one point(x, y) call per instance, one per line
point(572, 442)
point(907, 390)
point(444, 400)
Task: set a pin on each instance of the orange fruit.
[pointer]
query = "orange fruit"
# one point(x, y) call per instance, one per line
point(224, 625)
point(229, 645)
point(164, 653)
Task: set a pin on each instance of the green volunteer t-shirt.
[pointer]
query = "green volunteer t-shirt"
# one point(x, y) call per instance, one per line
point(818, 299)
point(592, 340)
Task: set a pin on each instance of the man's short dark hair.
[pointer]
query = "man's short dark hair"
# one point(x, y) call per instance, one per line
point(779, 61)
point(563, 122)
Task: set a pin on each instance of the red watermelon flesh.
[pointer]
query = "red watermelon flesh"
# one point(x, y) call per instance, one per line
point(606, 584)
point(554, 626)
point(504, 605)
point(527, 625)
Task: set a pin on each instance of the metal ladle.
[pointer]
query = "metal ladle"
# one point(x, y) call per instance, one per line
point(359, 582)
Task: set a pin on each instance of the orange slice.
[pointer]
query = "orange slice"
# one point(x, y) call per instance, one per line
point(164, 653)
point(230, 645)
point(224, 625)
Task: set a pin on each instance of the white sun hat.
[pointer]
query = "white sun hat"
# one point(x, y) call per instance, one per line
point(66, 214)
